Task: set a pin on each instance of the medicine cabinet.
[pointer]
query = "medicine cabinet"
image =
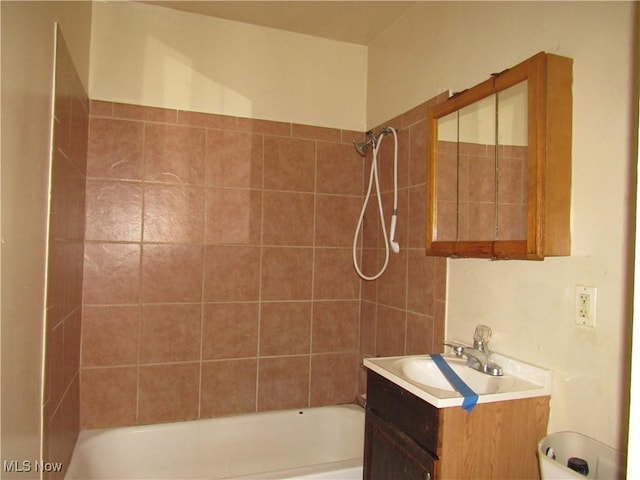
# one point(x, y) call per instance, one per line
point(499, 165)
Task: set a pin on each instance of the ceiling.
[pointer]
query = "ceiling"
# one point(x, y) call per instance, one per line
point(357, 22)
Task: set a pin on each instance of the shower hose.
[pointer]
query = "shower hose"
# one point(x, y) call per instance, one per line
point(389, 241)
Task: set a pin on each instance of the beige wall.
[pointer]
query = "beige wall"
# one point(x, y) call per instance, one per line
point(27, 75)
point(530, 305)
point(140, 54)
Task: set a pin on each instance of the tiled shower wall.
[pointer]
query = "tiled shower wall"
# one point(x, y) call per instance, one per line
point(218, 272)
point(402, 312)
point(61, 410)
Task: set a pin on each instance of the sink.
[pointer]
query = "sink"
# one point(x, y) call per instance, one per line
point(420, 375)
point(424, 371)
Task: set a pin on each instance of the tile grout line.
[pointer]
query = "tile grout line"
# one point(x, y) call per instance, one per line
point(313, 268)
point(203, 271)
point(260, 286)
point(140, 274)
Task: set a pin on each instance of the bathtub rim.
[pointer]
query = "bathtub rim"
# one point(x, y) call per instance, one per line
point(86, 437)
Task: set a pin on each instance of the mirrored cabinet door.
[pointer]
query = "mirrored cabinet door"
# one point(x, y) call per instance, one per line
point(448, 179)
point(511, 163)
point(477, 189)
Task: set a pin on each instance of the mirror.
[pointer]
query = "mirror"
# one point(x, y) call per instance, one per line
point(487, 166)
point(477, 170)
point(511, 163)
point(482, 153)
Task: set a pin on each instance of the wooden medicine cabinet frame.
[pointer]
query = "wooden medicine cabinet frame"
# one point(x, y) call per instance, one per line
point(548, 163)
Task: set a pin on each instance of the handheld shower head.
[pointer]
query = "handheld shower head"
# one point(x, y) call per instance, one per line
point(390, 243)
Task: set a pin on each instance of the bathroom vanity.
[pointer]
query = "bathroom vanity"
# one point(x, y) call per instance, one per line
point(415, 430)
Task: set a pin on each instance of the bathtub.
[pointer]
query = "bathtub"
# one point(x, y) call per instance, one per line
point(311, 443)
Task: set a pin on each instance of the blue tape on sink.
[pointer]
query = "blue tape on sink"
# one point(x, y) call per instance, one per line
point(470, 397)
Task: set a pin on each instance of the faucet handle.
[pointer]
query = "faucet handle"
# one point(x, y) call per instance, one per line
point(482, 334)
point(456, 347)
point(481, 337)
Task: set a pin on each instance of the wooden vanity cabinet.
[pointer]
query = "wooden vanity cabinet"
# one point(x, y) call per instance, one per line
point(408, 438)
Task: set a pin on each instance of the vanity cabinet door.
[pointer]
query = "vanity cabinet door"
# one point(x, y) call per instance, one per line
point(410, 414)
point(391, 455)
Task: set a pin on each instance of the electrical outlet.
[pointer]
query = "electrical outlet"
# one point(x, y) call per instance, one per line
point(586, 306)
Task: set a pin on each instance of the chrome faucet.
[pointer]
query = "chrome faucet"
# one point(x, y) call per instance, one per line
point(478, 356)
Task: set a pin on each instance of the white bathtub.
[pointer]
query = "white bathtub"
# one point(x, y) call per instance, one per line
point(312, 443)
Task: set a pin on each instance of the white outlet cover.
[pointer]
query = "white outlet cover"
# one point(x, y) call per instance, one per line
point(586, 318)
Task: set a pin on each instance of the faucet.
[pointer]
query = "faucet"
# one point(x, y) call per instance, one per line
point(478, 356)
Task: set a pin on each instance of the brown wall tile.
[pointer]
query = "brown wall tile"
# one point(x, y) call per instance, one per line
point(335, 326)
point(418, 155)
point(420, 334)
point(206, 120)
point(332, 378)
point(336, 218)
point(100, 108)
point(417, 218)
point(289, 164)
point(174, 154)
point(54, 383)
point(315, 133)
point(286, 273)
point(111, 273)
point(390, 331)
point(113, 211)
point(288, 218)
point(230, 330)
point(233, 216)
point(173, 214)
point(234, 159)
point(170, 333)
point(392, 286)
point(168, 392)
point(367, 329)
point(110, 335)
point(421, 283)
point(267, 127)
point(339, 169)
point(115, 149)
point(108, 397)
point(171, 273)
point(139, 112)
point(231, 274)
point(228, 387)
point(333, 275)
point(285, 328)
point(283, 382)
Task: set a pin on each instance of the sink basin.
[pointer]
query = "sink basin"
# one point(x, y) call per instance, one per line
point(424, 371)
point(420, 375)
